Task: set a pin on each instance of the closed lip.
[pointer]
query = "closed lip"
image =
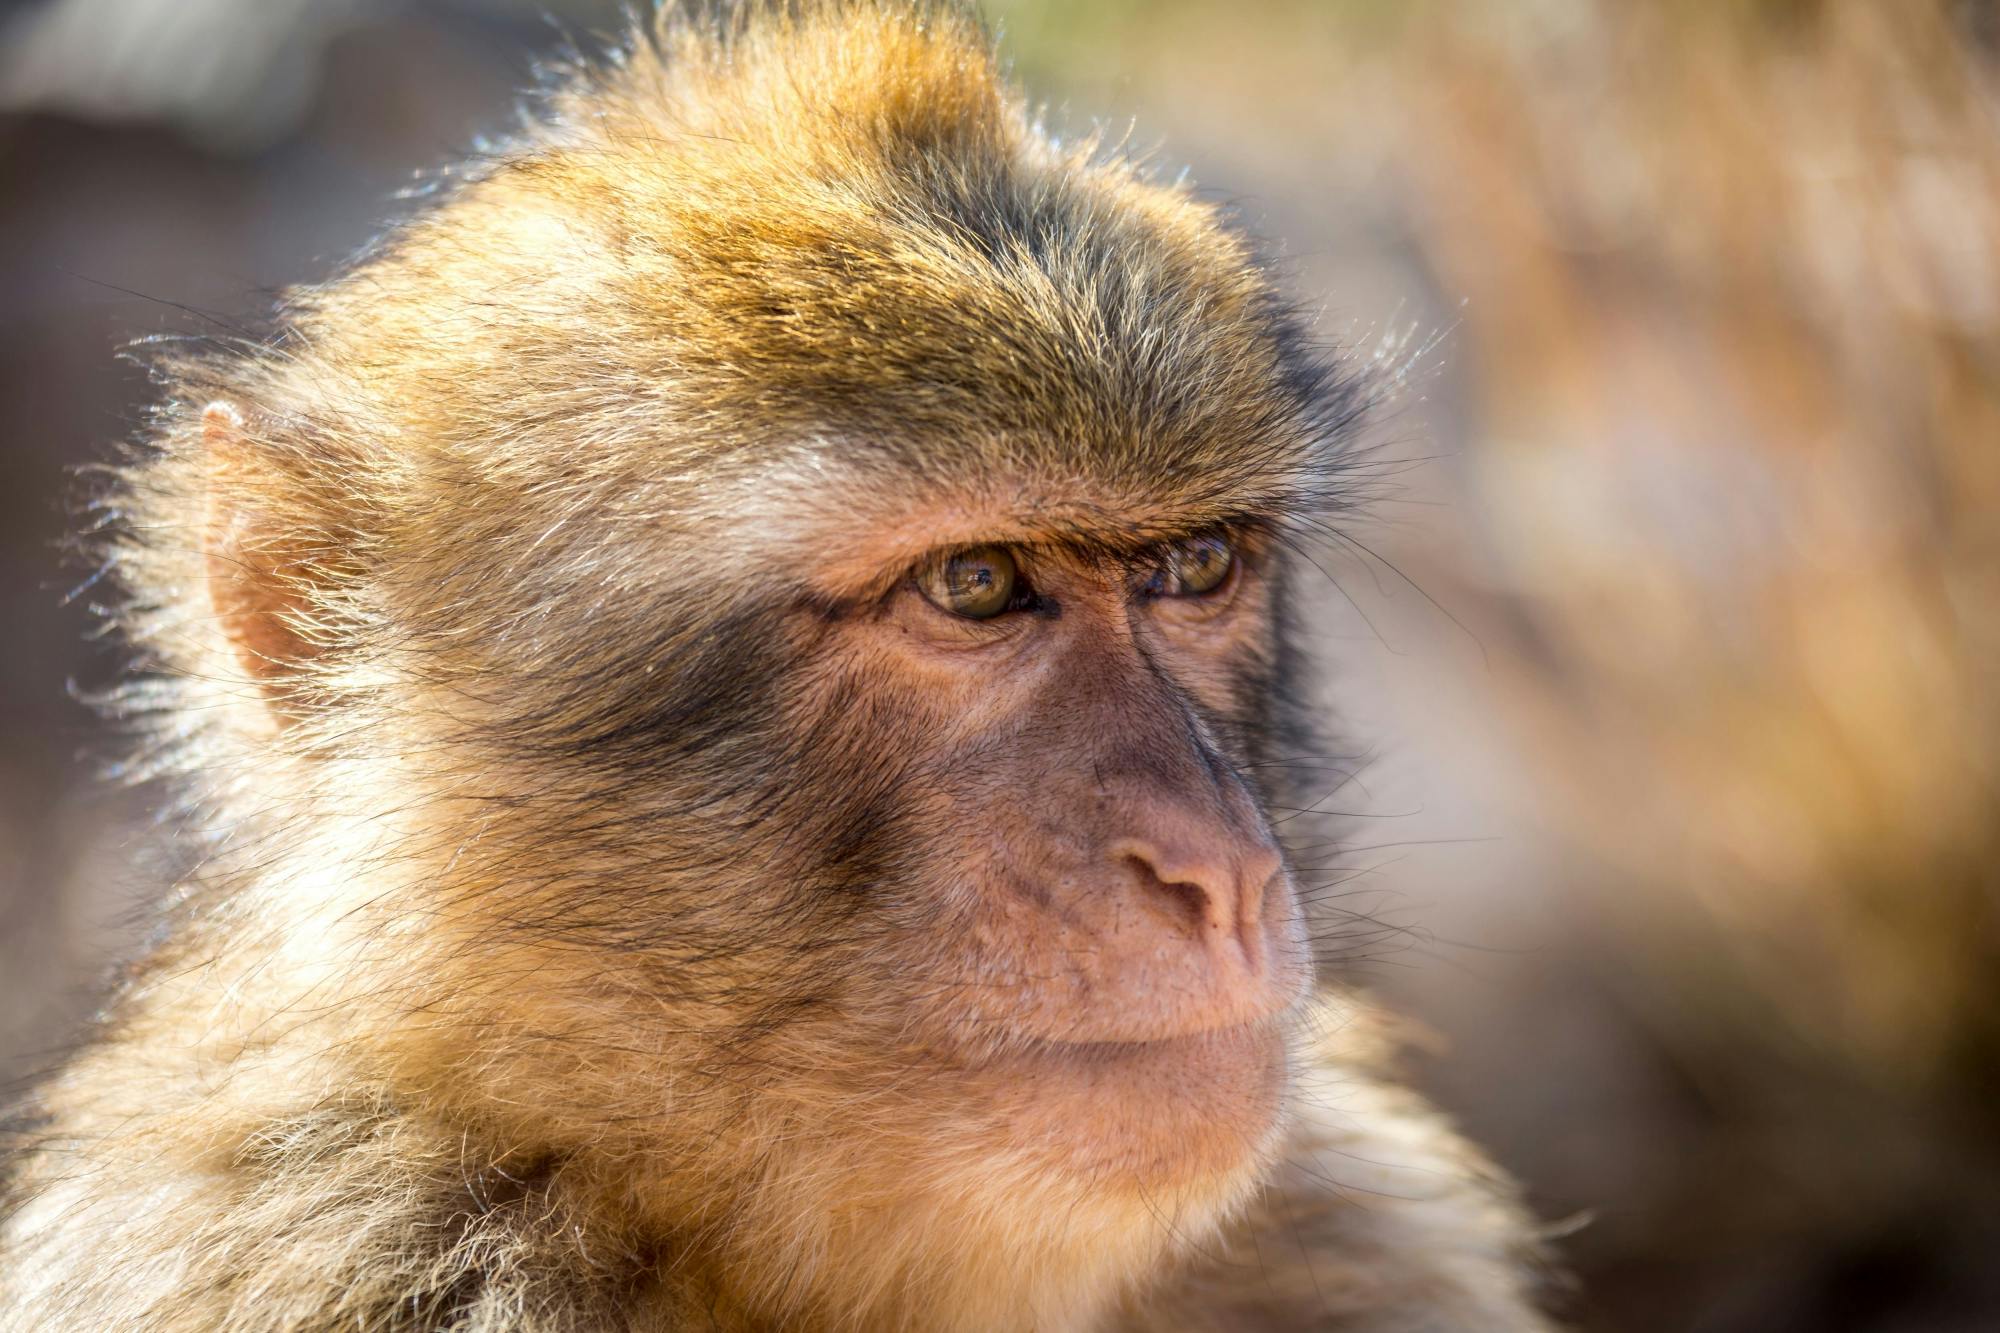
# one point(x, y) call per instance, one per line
point(1224, 1038)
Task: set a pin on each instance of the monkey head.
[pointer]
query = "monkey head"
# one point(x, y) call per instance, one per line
point(755, 633)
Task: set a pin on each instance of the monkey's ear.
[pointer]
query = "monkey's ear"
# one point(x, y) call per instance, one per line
point(257, 571)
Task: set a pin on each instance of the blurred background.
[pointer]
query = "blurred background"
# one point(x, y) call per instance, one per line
point(1675, 635)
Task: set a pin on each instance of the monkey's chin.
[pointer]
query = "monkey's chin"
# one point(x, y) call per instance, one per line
point(1195, 1112)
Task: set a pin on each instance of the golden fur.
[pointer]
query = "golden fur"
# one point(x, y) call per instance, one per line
point(495, 999)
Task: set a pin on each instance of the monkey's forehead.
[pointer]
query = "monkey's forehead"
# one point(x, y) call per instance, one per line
point(829, 236)
point(857, 532)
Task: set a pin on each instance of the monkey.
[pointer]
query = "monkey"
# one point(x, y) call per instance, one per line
point(730, 679)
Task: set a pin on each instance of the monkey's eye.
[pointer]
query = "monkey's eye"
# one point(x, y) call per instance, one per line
point(1192, 567)
point(977, 584)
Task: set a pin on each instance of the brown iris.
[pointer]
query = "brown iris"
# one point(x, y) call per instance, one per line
point(977, 584)
point(1194, 566)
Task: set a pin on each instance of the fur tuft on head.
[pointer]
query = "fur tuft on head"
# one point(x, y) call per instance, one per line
point(663, 303)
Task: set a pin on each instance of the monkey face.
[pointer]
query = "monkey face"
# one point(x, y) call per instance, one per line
point(1077, 912)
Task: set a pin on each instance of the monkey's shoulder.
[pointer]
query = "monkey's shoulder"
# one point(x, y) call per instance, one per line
point(237, 1211)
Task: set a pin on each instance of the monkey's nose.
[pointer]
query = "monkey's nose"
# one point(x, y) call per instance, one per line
point(1216, 885)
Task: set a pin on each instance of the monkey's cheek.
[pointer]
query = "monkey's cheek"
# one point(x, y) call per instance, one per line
point(1197, 1112)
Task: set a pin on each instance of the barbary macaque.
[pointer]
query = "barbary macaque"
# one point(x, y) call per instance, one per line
point(730, 677)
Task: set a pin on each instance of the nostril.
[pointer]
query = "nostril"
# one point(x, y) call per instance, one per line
point(1193, 902)
point(1215, 890)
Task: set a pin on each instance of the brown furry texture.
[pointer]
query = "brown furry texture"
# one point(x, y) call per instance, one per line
point(555, 952)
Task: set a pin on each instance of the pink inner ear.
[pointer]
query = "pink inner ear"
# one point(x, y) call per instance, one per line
point(251, 574)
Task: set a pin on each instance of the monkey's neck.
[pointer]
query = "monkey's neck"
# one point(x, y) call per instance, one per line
point(979, 1252)
point(803, 1208)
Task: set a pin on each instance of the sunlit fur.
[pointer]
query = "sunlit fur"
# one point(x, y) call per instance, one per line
point(556, 919)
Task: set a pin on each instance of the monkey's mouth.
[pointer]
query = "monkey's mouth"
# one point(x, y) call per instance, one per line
point(1173, 1109)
